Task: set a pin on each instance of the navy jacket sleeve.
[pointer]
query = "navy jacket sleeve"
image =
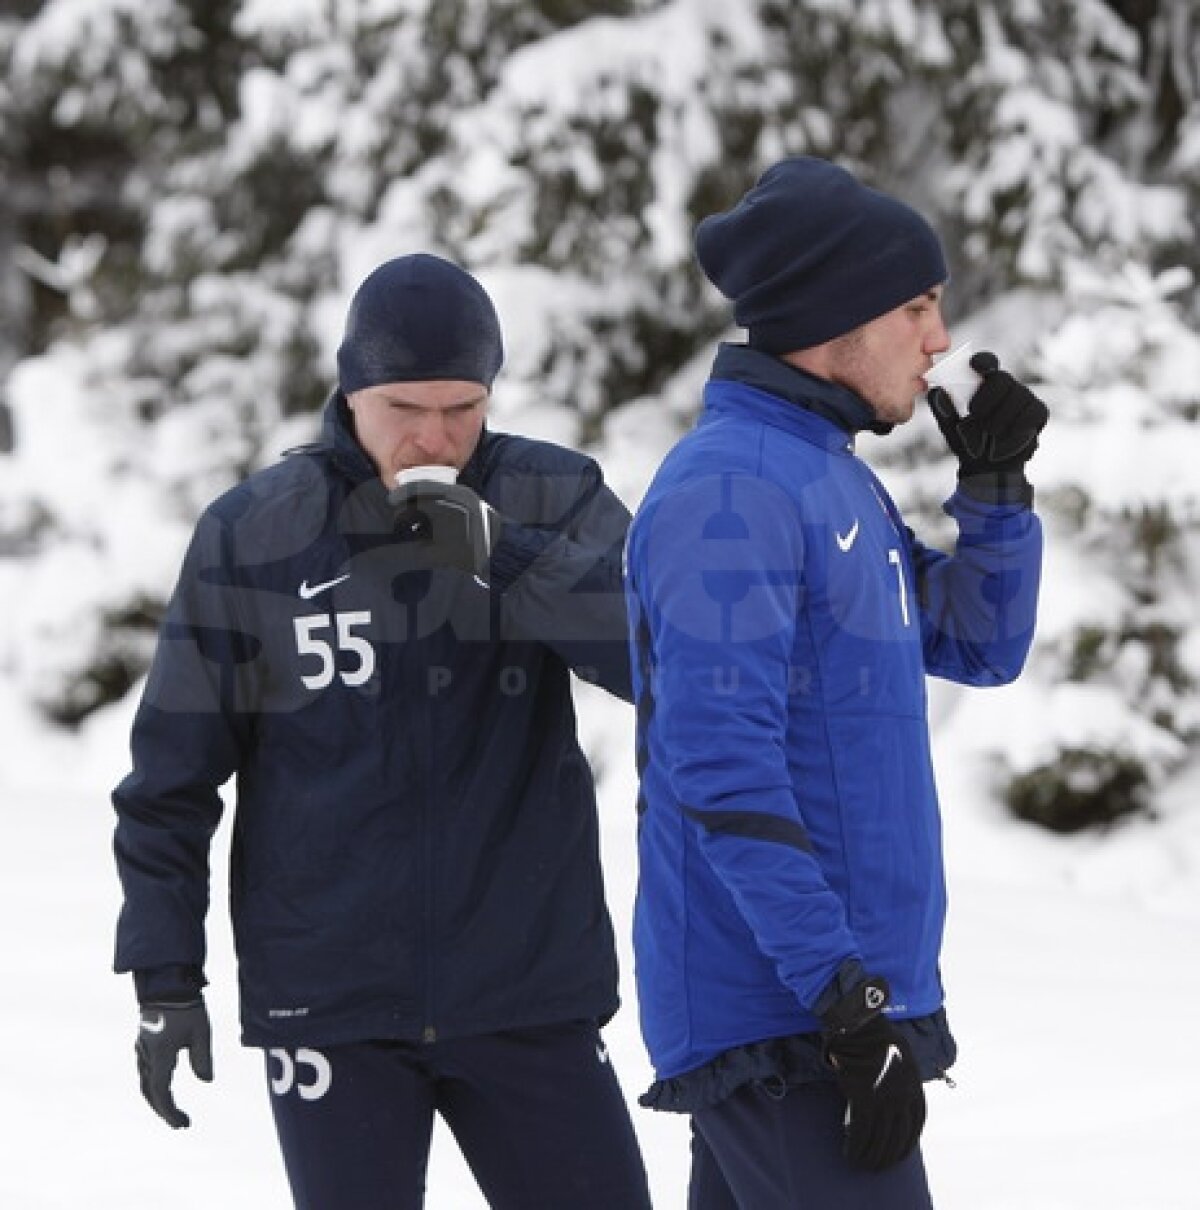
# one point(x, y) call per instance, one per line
point(188, 732)
point(979, 605)
point(558, 566)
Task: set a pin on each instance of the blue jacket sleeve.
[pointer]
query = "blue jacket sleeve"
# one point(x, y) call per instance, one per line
point(561, 578)
point(979, 605)
point(715, 596)
point(190, 727)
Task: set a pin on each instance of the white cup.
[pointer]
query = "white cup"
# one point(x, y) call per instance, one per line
point(953, 374)
point(418, 474)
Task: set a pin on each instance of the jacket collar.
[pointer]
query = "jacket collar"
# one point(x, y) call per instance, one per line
point(835, 404)
point(338, 439)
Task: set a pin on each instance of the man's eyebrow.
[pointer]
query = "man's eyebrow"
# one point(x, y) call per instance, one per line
point(932, 295)
point(404, 401)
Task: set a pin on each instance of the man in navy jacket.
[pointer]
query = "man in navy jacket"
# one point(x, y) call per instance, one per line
point(791, 897)
point(381, 657)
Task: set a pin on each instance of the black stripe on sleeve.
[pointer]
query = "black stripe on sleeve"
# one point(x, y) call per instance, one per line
point(753, 825)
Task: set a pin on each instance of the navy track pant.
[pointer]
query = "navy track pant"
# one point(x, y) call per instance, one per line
point(774, 1149)
point(538, 1114)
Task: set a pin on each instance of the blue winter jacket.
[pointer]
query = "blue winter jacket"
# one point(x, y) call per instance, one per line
point(415, 847)
point(784, 620)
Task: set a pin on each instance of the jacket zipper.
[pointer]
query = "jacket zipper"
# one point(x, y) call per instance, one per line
point(429, 1032)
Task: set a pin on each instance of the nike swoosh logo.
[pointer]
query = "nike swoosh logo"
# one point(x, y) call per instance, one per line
point(893, 1055)
point(152, 1026)
point(847, 540)
point(308, 591)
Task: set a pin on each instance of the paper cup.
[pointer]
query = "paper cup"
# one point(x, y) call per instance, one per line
point(953, 374)
point(418, 474)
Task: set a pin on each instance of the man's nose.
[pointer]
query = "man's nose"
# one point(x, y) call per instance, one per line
point(433, 436)
point(938, 339)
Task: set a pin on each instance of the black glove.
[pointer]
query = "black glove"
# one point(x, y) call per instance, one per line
point(998, 435)
point(165, 1030)
point(874, 1067)
point(449, 525)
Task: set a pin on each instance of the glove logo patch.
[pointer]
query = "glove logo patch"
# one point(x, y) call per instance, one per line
point(876, 997)
point(891, 1056)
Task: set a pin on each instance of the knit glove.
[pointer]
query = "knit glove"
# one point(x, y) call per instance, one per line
point(874, 1067)
point(165, 1030)
point(997, 437)
point(448, 525)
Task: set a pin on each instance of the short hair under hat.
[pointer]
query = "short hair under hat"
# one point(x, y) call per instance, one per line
point(811, 253)
point(419, 318)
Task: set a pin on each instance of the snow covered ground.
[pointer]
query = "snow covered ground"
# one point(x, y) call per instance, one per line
point(1073, 968)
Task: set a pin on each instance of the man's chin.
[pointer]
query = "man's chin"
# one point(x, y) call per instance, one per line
point(887, 416)
point(903, 413)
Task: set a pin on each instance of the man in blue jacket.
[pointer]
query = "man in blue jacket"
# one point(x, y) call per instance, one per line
point(381, 657)
point(791, 898)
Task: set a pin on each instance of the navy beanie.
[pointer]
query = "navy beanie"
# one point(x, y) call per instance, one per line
point(419, 319)
point(810, 253)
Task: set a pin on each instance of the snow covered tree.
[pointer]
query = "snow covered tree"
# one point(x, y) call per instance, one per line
point(196, 188)
point(1119, 658)
point(1071, 204)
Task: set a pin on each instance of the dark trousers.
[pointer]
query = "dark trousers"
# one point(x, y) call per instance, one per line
point(538, 1114)
point(776, 1149)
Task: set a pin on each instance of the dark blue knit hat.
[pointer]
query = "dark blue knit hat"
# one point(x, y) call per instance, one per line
point(419, 319)
point(810, 253)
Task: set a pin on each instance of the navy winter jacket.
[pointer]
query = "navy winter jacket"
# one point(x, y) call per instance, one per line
point(784, 620)
point(415, 841)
